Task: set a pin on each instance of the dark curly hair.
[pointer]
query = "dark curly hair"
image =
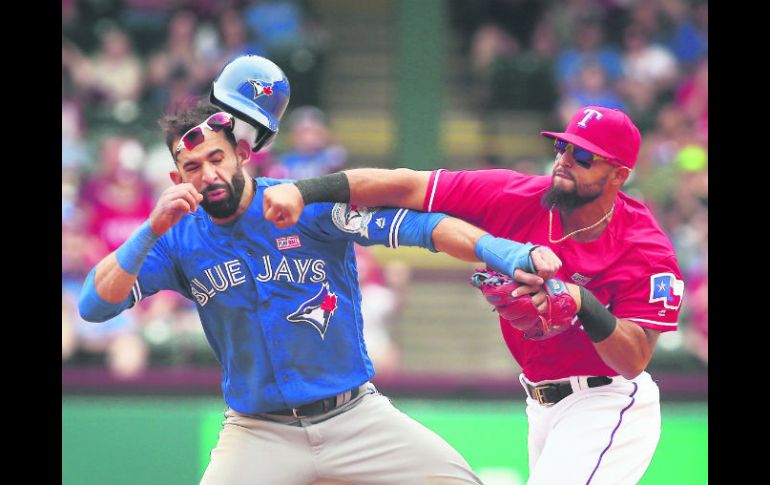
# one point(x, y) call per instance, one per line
point(176, 124)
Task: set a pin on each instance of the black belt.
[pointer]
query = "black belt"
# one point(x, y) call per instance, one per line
point(321, 406)
point(549, 394)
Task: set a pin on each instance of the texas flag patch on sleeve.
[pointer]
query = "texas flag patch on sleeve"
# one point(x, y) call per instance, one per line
point(666, 288)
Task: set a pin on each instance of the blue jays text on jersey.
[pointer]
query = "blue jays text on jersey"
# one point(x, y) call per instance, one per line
point(281, 308)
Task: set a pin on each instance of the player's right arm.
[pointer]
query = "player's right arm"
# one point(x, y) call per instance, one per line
point(380, 187)
point(107, 289)
point(371, 187)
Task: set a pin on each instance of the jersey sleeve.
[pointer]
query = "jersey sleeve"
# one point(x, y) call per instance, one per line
point(472, 195)
point(387, 226)
point(654, 299)
point(158, 273)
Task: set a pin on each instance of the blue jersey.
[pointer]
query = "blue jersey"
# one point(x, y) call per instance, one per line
point(281, 308)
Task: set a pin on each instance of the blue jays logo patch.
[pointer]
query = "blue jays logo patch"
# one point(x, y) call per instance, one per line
point(353, 219)
point(261, 88)
point(666, 288)
point(317, 311)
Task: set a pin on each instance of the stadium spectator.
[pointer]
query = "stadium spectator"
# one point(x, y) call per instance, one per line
point(650, 72)
point(276, 23)
point(647, 63)
point(117, 345)
point(265, 163)
point(177, 72)
point(312, 151)
point(689, 38)
point(235, 39)
point(570, 14)
point(74, 149)
point(290, 36)
point(693, 98)
point(510, 79)
point(671, 133)
point(491, 46)
point(651, 19)
point(117, 197)
point(113, 78)
point(590, 89)
point(589, 48)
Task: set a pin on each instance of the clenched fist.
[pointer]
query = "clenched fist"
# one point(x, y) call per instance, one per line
point(282, 205)
point(545, 262)
point(174, 203)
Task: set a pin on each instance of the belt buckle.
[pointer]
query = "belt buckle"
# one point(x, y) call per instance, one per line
point(537, 395)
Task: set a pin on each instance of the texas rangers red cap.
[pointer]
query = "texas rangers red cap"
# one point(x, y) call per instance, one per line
point(607, 132)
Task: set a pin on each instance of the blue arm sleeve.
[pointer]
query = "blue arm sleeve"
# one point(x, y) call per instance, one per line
point(504, 255)
point(416, 229)
point(131, 254)
point(387, 226)
point(157, 272)
point(93, 308)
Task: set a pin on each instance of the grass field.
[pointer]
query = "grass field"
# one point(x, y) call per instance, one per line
point(166, 441)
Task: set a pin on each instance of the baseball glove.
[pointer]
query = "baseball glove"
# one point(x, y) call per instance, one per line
point(520, 311)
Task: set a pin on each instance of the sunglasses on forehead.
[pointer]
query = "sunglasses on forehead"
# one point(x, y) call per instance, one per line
point(194, 136)
point(582, 157)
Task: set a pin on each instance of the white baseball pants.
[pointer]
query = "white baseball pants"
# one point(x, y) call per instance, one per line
point(601, 435)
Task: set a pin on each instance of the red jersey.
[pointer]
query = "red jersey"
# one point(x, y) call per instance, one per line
point(631, 268)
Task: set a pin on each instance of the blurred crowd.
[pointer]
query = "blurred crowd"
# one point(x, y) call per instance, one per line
point(125, 63)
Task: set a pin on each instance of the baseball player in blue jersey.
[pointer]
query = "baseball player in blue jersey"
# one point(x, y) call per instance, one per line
point(281, 308)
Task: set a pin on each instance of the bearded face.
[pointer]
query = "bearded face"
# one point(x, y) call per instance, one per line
point(568, 193)
point(221, 200)
point(215, 168)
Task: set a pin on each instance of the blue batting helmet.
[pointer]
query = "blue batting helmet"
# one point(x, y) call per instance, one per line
point(254, 90)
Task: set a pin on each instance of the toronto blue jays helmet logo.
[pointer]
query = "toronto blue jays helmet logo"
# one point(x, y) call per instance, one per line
point(317, 311)
point(261, 88)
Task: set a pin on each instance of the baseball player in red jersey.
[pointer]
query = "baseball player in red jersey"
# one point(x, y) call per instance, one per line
point(593, 411)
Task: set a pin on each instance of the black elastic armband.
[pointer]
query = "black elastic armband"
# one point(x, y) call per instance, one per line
point(327, 188)
point(597, 321)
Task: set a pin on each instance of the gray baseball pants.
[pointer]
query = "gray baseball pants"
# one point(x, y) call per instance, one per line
point(366, 441)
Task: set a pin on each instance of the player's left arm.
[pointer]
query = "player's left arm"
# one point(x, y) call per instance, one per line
point(643, 308)
point(629, 348)
point(436, 232)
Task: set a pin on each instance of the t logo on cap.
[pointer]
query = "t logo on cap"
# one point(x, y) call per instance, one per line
point(589, 115)
point(616, 138)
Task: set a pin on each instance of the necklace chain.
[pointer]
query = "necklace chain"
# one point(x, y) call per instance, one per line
point(578, 231)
